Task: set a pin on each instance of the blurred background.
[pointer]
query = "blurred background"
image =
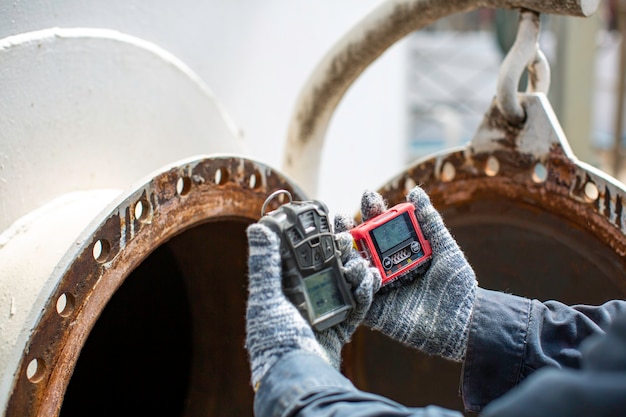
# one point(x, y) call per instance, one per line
point(428, 92)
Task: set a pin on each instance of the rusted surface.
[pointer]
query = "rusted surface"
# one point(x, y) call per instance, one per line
point(213, 189)
point(562, 193)
point(186, 254)
point(559, 236)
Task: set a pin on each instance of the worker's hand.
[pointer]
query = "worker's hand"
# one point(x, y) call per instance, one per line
point(274, 327)
point(431, 313)
point(365, 281)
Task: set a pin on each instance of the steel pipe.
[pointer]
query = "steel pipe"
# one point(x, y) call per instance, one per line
point(361, 46)
point(168, 258)
point(86, 113)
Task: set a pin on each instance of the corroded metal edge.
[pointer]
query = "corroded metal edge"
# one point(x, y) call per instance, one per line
point(194, 191)
point(530, 164)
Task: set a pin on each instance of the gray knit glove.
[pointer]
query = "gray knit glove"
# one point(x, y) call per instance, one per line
point(274, 327)
point(430, 313)
point(365, 281)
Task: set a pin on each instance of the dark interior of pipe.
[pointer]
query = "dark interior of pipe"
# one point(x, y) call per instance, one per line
point(512, 247)
point(171, 340)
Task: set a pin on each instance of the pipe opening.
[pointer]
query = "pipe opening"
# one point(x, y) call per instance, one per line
point(170, 341)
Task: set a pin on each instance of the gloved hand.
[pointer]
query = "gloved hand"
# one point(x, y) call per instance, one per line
point(431, 313)
point(274, 327)
point(365, 281)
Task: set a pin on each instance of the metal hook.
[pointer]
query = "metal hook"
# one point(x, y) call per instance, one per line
point(524, 53)
point(273, 196)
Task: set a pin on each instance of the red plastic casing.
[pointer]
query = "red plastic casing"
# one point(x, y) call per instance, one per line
point(387, 241)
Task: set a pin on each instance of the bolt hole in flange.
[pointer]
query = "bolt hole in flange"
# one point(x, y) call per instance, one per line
point(221, 176)
point(492, 166)
point(255, 180)
point(183, 186)
point(101, 250)
point(65, 304)
point(448, 171)
point(540, 173)
point(409, 184)
point(141, 210)
point(591, 192)
point(35, 370)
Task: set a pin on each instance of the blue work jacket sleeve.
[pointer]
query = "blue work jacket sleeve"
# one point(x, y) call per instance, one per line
point(302, 384)
point(511, 337)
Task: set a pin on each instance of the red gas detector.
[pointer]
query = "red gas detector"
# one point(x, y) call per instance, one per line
point(393, 242)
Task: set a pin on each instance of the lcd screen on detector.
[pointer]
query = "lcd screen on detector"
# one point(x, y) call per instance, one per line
point(323, 292)
point(392, 233)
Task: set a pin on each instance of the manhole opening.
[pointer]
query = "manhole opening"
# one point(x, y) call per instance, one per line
point(170, 342)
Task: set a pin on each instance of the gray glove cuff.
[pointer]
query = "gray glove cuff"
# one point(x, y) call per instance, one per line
point(429, 322)
point(274, 326)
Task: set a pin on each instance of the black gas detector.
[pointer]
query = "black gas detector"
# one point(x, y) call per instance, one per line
point(312, 269)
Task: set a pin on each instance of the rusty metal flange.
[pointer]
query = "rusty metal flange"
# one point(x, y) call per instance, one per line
point(531, 164)
point(532, 220)
point(202, 189)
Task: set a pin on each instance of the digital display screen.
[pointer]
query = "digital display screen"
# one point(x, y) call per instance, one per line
point(391, 233)
point(323, 292)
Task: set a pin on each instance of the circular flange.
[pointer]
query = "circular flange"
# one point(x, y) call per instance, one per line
point(541, 225)
point(170, 202)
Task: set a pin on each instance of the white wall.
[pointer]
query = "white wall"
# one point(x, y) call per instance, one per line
point(256, 56)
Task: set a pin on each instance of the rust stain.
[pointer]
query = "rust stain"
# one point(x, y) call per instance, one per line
point(57, 340)
point(562, 193)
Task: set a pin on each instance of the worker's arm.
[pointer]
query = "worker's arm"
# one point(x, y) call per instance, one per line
point(512, 337)
point(303, 385)
point(584, 369)
point(501, 338)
